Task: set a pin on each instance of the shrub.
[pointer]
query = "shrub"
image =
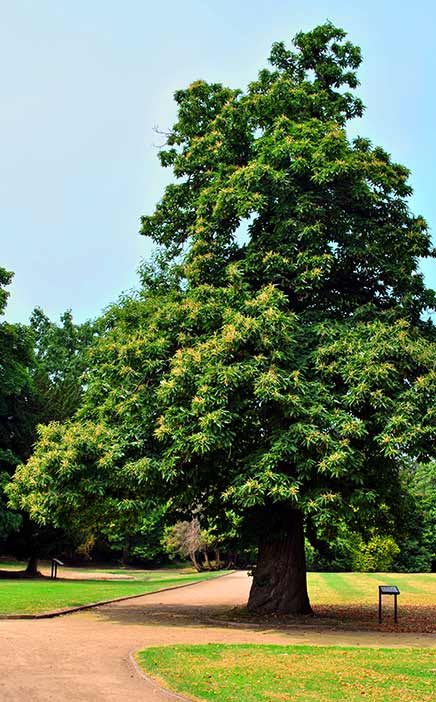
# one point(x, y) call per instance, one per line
point(375, 555)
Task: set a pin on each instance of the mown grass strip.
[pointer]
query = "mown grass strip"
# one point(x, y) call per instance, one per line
point(408, 582)
point(342, 587)
point(361, 588)
point(265, 673)
point(36, 596)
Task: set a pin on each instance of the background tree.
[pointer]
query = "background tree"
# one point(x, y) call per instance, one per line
point(185, 539)
point(42, 380)
point(145, 544)
point(16, 420)
point(57, 372)
point(60, 364)
point(418, 524)
point(425, 491)
point(95, 466)
point(281, 367)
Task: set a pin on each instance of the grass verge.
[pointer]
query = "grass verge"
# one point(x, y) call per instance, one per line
point(44, 595)
point(270, 673)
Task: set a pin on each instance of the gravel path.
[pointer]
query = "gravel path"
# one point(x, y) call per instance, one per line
point(84, 657)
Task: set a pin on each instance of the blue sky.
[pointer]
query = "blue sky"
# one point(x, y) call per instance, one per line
point(84, 83)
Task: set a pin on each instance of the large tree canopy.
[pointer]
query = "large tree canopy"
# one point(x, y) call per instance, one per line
point(279, 365)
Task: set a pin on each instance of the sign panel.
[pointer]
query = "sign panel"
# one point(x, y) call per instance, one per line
point(389, 589)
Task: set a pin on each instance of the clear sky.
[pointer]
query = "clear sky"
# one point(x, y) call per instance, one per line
point(84, 82)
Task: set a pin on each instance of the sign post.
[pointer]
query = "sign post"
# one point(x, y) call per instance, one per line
point(387, 590)
point(55, 562)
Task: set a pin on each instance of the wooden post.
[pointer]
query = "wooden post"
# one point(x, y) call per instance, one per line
point(379, 606)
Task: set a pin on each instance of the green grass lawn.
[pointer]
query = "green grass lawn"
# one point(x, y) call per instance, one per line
point(327, 590)
point(12, 565)
point(43, 595)
point(361, 588)
point(350, 601)
point(267, 673)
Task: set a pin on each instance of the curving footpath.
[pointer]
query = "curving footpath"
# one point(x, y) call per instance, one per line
point(85, 657)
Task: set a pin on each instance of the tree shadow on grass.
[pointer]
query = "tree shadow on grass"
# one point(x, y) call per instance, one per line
point(348, 618)
point(19, 575)
point(130, 612)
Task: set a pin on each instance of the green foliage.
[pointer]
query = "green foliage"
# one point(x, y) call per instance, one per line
point(9, 521)
point(418, 537)
point(60, 363)
point(141, 541)
point(425, 491)
point(375, 555)
point(5, 279)
point(324, 213)
point(318, 376)
point(85, 460)
point(16, 357)
point(16, 420)
point(41, 368)
point(310, 555)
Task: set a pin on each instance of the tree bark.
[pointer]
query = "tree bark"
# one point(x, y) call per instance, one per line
point(195, 563)
point(279, 581)
point(125, 552)
point(206, 560)
point(32, 566)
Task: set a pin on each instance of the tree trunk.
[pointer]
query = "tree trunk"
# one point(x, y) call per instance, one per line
point(206, 560)
point(279, 582)
point(125, 552)
point(195, 563)
point(231, 560)
point(32, 566)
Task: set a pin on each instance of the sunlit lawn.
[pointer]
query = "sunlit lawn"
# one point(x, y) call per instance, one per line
point(362, 588)
point(266, 673)
point(350, 601)
point(24, 596)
